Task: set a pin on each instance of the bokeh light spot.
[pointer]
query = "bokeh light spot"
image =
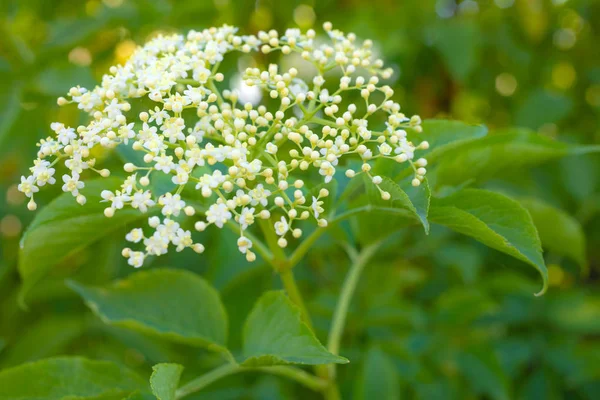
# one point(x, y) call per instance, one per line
point(563, 75)
point(80, 56)
point(506, 84)
point(304, 16)
point(10, 226)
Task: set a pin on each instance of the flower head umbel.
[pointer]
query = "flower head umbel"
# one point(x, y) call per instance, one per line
point(248, 162)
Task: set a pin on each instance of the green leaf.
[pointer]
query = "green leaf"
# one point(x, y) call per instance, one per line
point(459, 43)
point(64, 227)
point(543, 107)
point(275, 334)
point(46, 336)
point(484, 158)
point(165, 380)
point(11, 108)
point(559, 232)
point(496, 221)
point(484, 373)
point(445, 136)
point(68, 378)
point(404, 196)
point(379, 378)
point(175, 305)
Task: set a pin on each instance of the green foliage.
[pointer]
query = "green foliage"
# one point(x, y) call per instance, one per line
point(559, 232)
point(65, 227)
point(165, 380)
point(275, 334)
point(68, 378)
point(379, 378)
point(176, 305)
point(494, 220)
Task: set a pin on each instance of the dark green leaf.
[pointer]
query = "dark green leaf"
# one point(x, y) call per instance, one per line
point(64, 227)
point(176, 305)
point(404, 196)
point(67, 378)
point(495, 220)
point(379, 378)
point(165, 380)
point(484, 158)
point(459, 43)
point(559, 232)
point(275, 334)
point(484, 374)
point(446, 135)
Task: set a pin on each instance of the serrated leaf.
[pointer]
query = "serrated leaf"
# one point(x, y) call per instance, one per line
point(496, 221)
point(165, 380)
point(404, 195)
point(379, 379)
point(64, 227)
point(175, 305)
point(66, 378)
point(446, 135)
point(484, 158)
point(559, 232)
point(275, 334)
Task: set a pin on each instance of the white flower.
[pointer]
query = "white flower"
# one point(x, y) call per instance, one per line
point(246, 217)
point(243, 153)
point(76, 164)
point(142, 200)
point(244, 244)
point(327, 170)
point(316, 207)
point(385, 149)
point(218, 214)
point(271, 148)
point(136, 259)
point(27, 186)
point(156, 244)
point(135, 236)
point(260, 195)
point(117, 199)
point(72, 184)
point(181, 176)
point(183, 239)
point(172, 204)
point(42, 172)
point(281, 227)
point(164, 163)
point(126, 132)
point(157, 115)
point(168, 229)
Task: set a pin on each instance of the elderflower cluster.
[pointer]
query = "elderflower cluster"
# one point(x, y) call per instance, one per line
point(243, 162)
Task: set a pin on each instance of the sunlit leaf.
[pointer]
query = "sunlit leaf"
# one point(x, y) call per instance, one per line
point(275, 334)
point(559, 232)
point(64, 227)
point(67, 378)
point(175, 305)
point(165, 380)
point(495, 220)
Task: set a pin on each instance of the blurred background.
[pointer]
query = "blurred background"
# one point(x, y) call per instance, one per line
point(454, 320)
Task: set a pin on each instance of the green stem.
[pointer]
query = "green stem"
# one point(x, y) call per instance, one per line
point(296, 374)
point(348, 289)
point(310, 381)
point(289, 283)
point(204, 380)
point(331, 391)
point(305, 246)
